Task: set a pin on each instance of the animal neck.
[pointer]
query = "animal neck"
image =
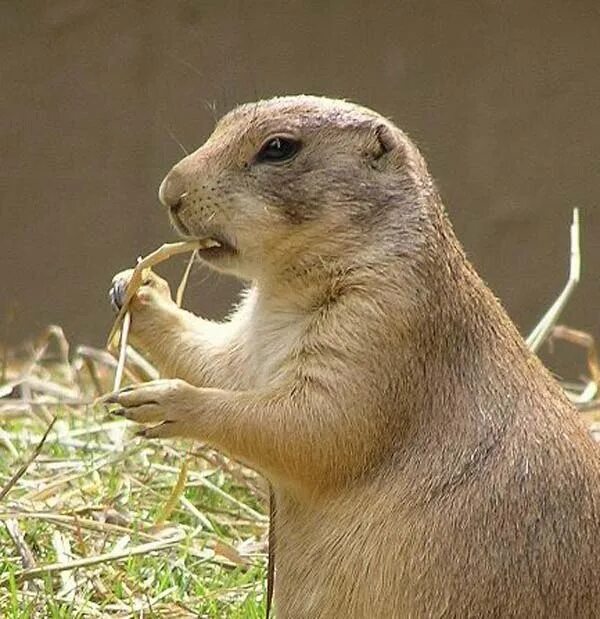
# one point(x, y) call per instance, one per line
point(306, 285)
point(471, 378)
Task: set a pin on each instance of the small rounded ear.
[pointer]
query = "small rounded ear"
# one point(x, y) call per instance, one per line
point(386, 138)
point(388, 146)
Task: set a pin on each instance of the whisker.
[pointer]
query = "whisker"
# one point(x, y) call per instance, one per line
point(183, 148)
point(186, 64)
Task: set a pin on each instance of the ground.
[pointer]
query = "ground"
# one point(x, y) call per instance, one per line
point(95, 527)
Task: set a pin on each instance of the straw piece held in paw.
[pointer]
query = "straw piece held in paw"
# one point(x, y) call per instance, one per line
point(122, 351)
point(184, 280)
point(161, 254)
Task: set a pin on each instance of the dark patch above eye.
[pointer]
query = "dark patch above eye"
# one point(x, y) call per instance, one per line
point(277, 149)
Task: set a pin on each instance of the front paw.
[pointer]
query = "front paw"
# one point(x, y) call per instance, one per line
point(154, 289)
point(172, 404)
point(151, 307)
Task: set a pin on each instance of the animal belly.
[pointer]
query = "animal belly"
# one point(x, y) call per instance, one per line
point(333, 565)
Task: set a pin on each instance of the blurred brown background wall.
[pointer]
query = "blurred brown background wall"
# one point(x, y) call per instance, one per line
point(503, 97)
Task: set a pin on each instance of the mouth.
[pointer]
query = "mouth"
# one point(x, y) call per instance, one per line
point(215, 245)
point(178, 224)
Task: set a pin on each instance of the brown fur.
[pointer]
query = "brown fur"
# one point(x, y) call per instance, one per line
point(425, 464)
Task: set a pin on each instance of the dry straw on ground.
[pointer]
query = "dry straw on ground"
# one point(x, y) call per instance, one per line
point(100, 527)
point(96, 525)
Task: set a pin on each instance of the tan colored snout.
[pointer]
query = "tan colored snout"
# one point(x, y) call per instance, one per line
point(172, 189)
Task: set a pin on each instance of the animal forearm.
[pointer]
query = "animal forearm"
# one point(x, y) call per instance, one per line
point(182, 345)
point(301, 437)
point(294, 434)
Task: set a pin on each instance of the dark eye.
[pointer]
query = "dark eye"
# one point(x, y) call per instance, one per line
point(277, 149)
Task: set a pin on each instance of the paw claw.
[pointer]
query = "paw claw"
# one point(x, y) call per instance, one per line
point(164, 403)
point(116, 294)
point(113, 301)
point(115, 396)
point(166, 429)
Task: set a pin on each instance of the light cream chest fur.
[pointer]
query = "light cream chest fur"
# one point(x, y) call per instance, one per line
point(268, 337)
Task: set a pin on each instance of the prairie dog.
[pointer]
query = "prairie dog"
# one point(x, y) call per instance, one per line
point(424, 462)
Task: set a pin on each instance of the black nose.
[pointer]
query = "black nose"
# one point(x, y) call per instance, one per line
point(172, 190)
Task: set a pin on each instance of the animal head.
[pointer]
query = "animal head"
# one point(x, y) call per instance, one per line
point(286, 183)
